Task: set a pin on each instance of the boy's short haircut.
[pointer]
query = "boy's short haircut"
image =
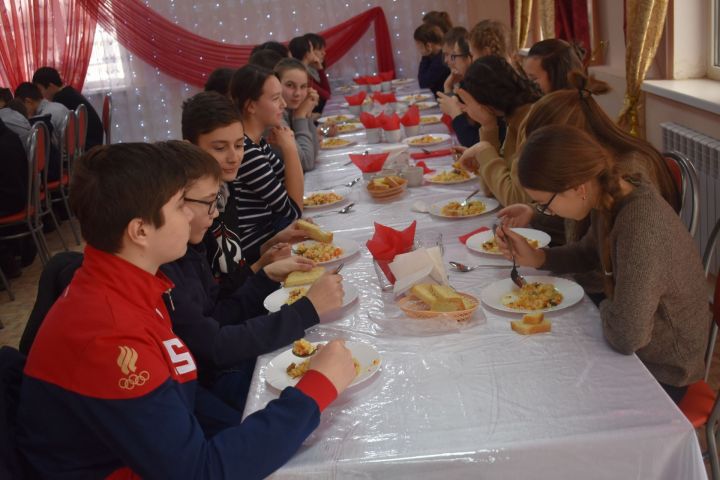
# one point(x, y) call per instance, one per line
point(219, 80)
point(315, 40)
point(195, 161)
point(28, 90)
point(6, 95)
point(113, 184)
point(274, 46)
point(427, 33)
point(17, 105)
point(265, 58)
point(299, 47)
point(47, 75)
point(205, 112)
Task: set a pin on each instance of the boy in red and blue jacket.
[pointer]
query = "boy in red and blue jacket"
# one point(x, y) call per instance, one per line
point(109, 389)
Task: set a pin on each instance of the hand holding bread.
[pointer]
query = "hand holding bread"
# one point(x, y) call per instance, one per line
point(279, 270)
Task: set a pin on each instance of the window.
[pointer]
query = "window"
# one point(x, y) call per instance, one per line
point(106, 68)
point(714, 63)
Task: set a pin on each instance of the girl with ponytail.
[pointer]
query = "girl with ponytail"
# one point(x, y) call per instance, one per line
point(656, 304)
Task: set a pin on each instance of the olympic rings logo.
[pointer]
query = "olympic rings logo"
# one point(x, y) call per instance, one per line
point(133, 380)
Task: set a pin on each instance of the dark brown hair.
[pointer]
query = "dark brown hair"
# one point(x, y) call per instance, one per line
point(427, 33)
point(287, 64)
point(557, 158)
point(265, 58)
point(492, 81)
point(204, 112)
point(459, 36)
point(493, 35)
point(196, 162)
point(113, 184)
point(578, 108)
point(219, 80)
point(558, 58)
point(438, 19)
point(247, 84)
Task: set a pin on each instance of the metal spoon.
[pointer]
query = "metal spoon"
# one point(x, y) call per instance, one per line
point(461, 267)
point(348, 184)
point(343, 210)
point(465, 202)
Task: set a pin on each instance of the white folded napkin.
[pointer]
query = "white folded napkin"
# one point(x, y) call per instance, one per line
point(424, 265)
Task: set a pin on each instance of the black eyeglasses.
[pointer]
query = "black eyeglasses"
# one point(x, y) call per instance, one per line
point(212, 204)
point(543, 207)
point(455, 56)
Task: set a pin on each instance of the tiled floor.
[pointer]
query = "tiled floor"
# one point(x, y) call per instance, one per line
point(13, 315)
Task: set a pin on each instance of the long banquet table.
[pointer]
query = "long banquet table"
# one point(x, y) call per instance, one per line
point(476, 400)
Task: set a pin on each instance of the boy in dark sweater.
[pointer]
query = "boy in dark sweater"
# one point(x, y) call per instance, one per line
point(109, 390)
point(432, 71)
point(225, 336)
point(51, 86)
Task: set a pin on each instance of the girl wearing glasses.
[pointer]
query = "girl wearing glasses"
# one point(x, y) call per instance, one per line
point(656, 303)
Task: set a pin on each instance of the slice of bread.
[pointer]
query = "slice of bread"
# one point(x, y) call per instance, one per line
point(423, 291)
point(444, 292)
point(315, 232)
point(448, 305)
point(304, 278)
point(533, 318)
point(529, 328)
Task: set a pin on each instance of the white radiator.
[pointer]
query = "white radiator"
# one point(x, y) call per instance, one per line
point(704, 153)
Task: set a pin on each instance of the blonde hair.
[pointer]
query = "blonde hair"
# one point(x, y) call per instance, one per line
point(493, 36)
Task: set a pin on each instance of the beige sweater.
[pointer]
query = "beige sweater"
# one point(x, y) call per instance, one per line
point(498, 171)
point(659, 309)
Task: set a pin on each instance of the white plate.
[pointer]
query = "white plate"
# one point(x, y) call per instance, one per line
point(346, 143)
point(490, 205)
point(355, 128)
point(343, 194)
point(366, 355)
point(426, 105)
point(439, 138)
point(349, 248)
point(475, 242)
point(432, 119)
point(493, 294)
point(429, 178)
point(416, 97)
point(346, 117)
point(277, 299)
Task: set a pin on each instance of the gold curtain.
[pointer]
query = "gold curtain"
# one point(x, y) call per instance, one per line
point(521, 29)
point(645, 20)
point(547, 17)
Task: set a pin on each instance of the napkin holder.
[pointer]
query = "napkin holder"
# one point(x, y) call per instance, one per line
point(423, 265)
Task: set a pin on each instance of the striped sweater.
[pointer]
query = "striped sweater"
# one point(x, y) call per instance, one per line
point(263, 204)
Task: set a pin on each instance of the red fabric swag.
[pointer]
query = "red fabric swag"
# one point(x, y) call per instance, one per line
point(572, 25)
point(190, 57)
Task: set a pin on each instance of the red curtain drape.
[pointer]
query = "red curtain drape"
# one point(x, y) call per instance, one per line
point(190, 57)
point(37, 33)
point(572, 23)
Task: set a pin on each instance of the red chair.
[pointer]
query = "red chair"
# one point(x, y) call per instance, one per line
point(107, 118)
point(29, 217)
point(688, 185)
point(82, 127)
point(61, 187)
point(700, 404)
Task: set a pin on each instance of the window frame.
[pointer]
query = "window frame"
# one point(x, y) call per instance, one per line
point(713, 70)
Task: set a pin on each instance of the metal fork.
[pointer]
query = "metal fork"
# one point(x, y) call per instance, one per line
point(517, 279)
point(465, 202)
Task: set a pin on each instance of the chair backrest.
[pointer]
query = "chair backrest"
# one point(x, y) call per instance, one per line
point(686, 179)
point(107, 118)
point(38, 161)
point(710, 249)
point(69, 143)
point(81, 115)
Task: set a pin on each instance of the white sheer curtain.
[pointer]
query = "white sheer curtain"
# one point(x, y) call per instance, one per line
point(147, 102)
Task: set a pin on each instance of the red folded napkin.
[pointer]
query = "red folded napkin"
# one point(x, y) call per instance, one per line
point(387, 242)
point(447, 120)
point(387, 76)
point(411, 117)
point(424, 166)
point(356, 99)
point(389, 122)
point(374, 80)
point(433, 153)
point(369, 120)
point(464, 238)
point(383, 98)
point(372, 162)
point(361, 80)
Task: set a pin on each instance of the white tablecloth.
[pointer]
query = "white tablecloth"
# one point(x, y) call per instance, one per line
point(477, 400)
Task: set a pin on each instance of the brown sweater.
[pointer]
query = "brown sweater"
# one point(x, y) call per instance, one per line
point(497, 170)
point(659, 309)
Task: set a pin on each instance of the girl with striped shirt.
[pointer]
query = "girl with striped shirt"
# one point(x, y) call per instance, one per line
point(268, 191)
